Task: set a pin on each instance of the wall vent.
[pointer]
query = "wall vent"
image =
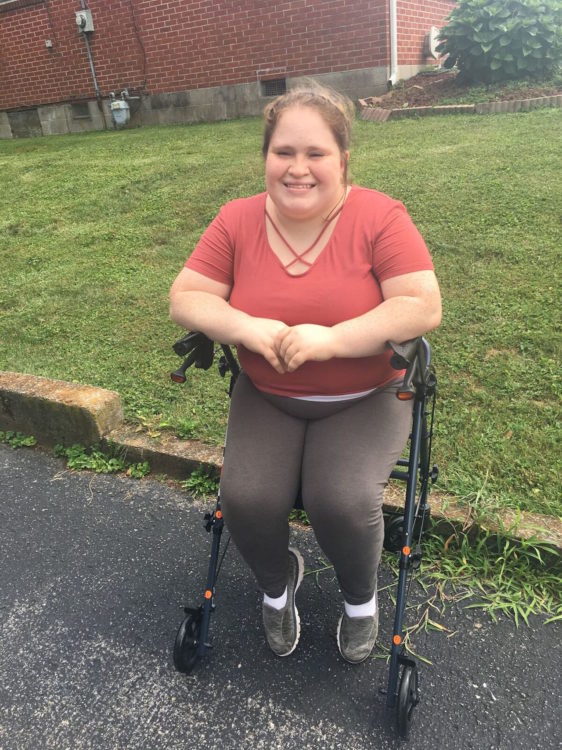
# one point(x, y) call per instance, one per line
point(80, 111)
point(274, 87)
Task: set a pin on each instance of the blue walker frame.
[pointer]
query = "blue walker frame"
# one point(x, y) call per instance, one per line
point(403, 532)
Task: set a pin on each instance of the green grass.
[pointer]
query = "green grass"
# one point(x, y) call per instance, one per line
point(93, 229)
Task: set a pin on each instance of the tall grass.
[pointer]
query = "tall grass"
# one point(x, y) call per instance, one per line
point(93, 229)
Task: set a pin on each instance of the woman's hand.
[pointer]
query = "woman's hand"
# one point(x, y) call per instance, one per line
point(261, 335)
point(302, 343)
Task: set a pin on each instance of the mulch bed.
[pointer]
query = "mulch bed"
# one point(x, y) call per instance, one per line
point(428, 89)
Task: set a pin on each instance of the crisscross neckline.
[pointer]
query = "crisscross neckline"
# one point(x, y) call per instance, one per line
point(300, 256)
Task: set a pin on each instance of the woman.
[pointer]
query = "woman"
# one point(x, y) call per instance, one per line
point(310, 280)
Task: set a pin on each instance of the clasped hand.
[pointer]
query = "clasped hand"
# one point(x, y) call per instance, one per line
point(286, 348)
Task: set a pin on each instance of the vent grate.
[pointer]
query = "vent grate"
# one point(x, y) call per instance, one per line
point(274, 87)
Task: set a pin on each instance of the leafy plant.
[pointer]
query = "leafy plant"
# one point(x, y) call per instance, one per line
point(187, 428)
point(203, 481)
point(495, 41)
point(17, 439)
point(94, 459)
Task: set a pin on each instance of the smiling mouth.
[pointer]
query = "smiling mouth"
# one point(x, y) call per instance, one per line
point(298, 186)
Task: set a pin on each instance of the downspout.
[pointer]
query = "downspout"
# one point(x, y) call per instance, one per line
point(393, 45)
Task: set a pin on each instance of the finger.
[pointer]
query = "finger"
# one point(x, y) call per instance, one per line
point(288, 353)
point(294, 363)
point(277, 365)
point(280, 337)
point(284, 350)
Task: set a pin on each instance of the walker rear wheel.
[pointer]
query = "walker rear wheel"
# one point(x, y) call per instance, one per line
point(408, 699)
point(393, 534)
point(186, 646)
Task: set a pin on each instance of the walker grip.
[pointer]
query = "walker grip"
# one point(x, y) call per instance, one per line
point(196, 349)
point(414, 357)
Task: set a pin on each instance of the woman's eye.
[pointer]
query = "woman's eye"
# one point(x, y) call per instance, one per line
point(316, 154)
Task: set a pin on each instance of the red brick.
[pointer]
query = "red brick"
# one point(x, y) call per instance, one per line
point(192, 43)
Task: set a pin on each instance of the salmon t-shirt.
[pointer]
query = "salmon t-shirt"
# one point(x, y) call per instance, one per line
point(374, 239)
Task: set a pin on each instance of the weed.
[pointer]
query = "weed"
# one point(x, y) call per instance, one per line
point(94, 459)
point(300, 516)
point(138, 470)
point(202, 482)
point(188, 428)
point(17, 439)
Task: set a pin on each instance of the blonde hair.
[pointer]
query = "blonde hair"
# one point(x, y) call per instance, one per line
point(336, 110)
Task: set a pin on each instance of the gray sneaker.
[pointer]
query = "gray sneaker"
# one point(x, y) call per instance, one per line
point(357, 636)
point(282, 626)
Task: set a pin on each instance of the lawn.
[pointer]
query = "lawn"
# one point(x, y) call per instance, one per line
point(94, 228)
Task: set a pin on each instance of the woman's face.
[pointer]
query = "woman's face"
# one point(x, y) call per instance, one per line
point(304, 167)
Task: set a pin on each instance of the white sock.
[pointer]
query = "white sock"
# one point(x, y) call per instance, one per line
point(277, 603)
point(362, 610)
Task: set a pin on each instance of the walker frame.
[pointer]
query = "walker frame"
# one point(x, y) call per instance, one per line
point(403, 531)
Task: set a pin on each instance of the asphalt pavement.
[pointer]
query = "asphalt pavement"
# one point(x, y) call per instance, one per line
point(95, 570)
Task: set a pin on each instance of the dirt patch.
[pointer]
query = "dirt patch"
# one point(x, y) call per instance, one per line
point(431, 89)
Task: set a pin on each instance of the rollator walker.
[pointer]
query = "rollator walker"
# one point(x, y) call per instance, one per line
point(403, 530)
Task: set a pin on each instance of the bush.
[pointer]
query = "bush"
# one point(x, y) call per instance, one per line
point(495, 41)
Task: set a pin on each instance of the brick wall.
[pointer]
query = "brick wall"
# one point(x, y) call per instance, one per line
point(158, 46)
point(415, 17)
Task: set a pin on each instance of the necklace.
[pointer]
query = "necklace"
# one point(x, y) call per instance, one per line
point(300, 256)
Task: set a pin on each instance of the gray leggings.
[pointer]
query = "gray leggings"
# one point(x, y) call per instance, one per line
point(339, 453)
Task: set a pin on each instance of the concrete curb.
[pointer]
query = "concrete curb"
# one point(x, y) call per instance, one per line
point(54, 411)
point(379, 114)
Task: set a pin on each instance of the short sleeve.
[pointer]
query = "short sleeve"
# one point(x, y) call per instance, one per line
point(398, 247)
point(213, 255)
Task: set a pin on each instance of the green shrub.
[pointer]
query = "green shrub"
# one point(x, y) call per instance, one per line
point(497, 41)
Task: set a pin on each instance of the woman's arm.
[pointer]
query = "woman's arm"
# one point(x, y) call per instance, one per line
point(201, 304)
point(411, 307)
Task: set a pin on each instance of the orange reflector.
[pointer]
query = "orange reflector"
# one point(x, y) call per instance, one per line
point(218, 514)
point(397, 640)
point(178, 378)
point(406, 550)
point(208, 594)
point(404, 396)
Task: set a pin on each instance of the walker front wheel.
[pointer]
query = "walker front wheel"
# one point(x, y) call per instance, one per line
point(186, 646)
point(408, 699)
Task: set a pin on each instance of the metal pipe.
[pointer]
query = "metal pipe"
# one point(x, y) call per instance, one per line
point(89, 51)
point(393, 44)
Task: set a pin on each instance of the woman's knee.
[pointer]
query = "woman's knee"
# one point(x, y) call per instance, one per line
point(250, 499)
point(346, 508)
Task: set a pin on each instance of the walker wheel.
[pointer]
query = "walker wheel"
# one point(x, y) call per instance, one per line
point(393, 534)
point(186, 646)
point(408, 699)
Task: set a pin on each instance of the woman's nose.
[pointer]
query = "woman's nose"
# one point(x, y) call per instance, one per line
point(298, 165)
